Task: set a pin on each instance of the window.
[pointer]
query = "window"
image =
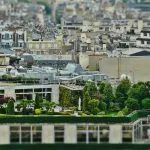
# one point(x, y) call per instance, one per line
point(145, 34)
point(104, 133)
point(49, 89)
point(142, 42)
point(93, 133)
point(25, 134)
point(1, 91)
point(19, 96)
point(127, 134)
point(37, 134)
point(19, 91)
point(148, 42)
point(14, 134)
point(6, 36)
point(38, 90)
point(81, 133)
point(28, 90)
point(59, 133)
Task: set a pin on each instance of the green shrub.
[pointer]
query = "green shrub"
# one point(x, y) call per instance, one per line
point(102, 113)
point(125, 110)
point(10, 107)
point(146, 103)
point(120, 113)
point(38, 111)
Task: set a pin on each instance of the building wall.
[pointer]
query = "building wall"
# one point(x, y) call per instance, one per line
point(9, 91)
point(94, 62)
point(135, 67)
point(69, 133)
point(4, 60)
point(42, 47)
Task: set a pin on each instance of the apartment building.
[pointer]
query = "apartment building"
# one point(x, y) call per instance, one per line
point(43, 47)
point(14, 38)
point(144, 39)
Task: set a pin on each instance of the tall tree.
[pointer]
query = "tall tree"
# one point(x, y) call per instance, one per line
point(86, 99)
point(10, 107)
point(101, 87)
point(91, 88)
point(108, 95)
point(93, 106)
point(132, 104)
point(139, 92)
point(37, 103)
point(122, 92)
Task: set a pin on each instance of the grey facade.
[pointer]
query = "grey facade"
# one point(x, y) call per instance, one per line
point(19, 92)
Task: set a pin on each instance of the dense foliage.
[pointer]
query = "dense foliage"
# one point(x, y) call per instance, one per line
point(104, 97)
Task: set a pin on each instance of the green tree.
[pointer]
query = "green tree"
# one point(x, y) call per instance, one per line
point(86, 99)
point(65, 97)
point(122, 92)
point(49, 105)
point(38, 101)
point(102, 106)
point(10, 107)
point(101, 87)
point(108, 95)
point(91, 88)
point(139, 92)
point(146, 103)
point(132, 104)
point(93, 106)
point(48, 97)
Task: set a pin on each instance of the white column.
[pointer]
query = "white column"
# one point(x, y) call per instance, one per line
point(48, 133)
point(55, 94)
point(70, 133)
point(4, 134)
point(115, 134)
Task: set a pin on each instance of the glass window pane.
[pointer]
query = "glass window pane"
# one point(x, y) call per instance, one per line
point(14, 128)
point(37, 137)
point(93, 137)
point(14, 137)
point(25, 128)
point(104, 134)
point(26, 137)
point(38, 90)
point(28, 90)
point(19, 91)
point(81, 137)
point(59, 133)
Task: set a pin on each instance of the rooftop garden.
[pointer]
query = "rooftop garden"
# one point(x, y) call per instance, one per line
point(19, 79)
point(96, 103)
point(103, 99)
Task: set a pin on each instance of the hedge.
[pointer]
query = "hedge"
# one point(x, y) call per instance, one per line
point(73, 119)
